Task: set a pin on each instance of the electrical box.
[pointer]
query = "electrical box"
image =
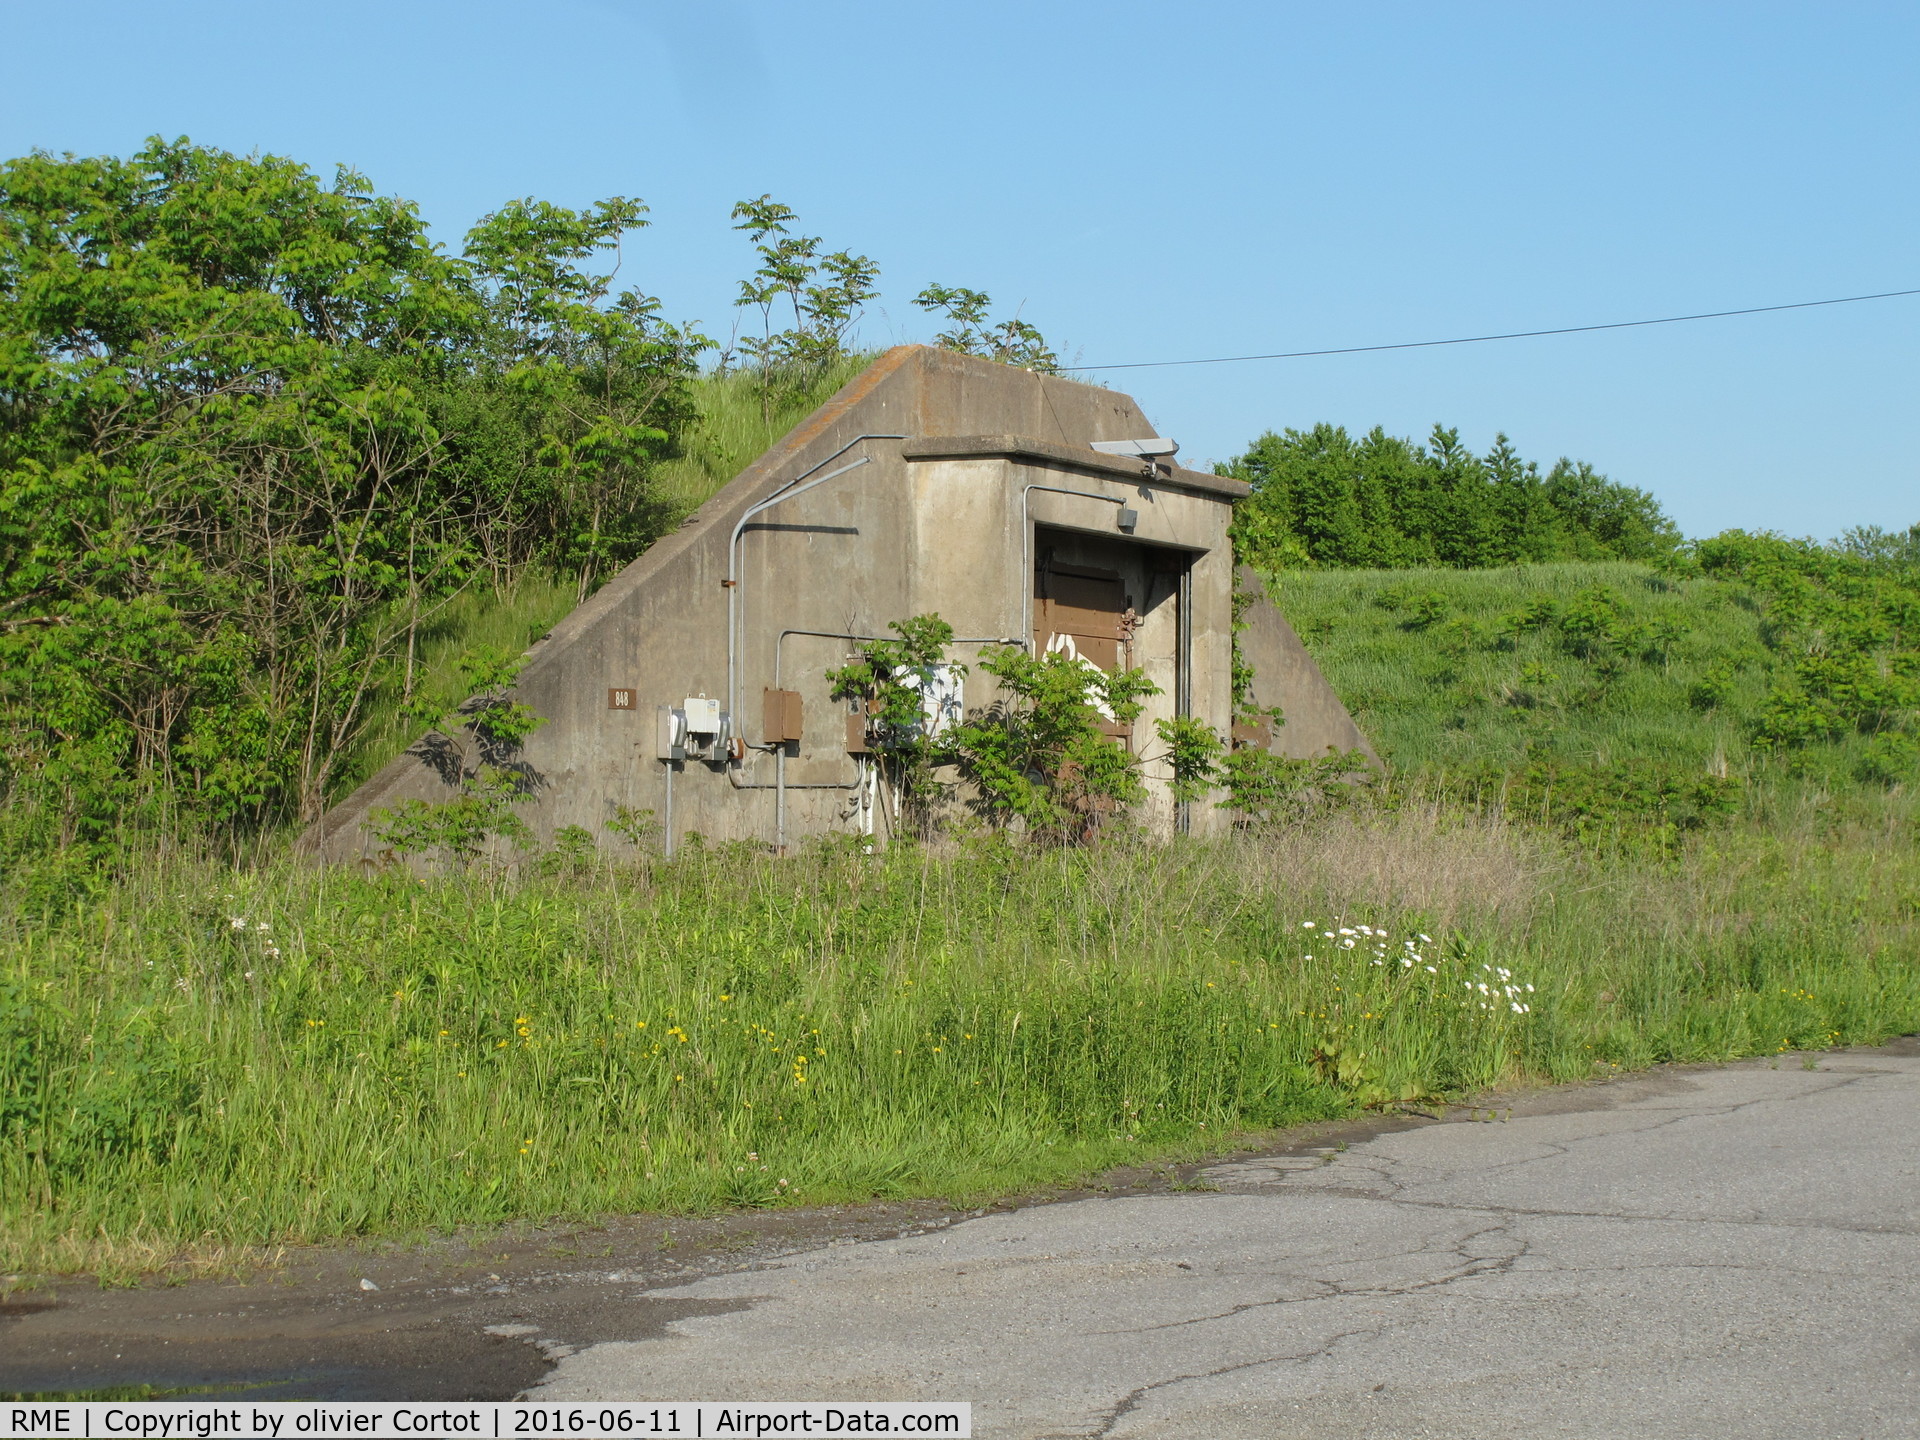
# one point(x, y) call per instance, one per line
point(942, 693)
point(781, 722)
point(857, 735)
point(703, 715)
point(1252, 735)
point(672, 743)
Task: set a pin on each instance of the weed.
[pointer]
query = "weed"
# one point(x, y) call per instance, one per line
point(388, 1056)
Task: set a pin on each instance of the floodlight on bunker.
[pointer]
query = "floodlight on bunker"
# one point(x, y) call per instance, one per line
point(1143, 449)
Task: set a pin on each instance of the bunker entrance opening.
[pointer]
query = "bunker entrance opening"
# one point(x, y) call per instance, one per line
point(1114, 604)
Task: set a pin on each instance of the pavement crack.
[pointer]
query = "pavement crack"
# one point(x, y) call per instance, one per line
point(1347, 1162)
point(1470, 1267)
point(1131, 1400)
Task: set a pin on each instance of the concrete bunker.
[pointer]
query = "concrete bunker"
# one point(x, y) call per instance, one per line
point(1025, 509)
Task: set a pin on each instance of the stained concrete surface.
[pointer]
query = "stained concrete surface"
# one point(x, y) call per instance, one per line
point(1699, 1253)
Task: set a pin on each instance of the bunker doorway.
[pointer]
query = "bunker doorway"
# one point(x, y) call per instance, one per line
point(1118, 605)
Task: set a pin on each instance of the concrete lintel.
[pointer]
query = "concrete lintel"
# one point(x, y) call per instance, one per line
point(957, 447)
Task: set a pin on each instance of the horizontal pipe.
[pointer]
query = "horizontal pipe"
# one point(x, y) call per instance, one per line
point(792, 488)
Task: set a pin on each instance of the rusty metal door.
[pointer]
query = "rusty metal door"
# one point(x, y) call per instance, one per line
point(1088, 605)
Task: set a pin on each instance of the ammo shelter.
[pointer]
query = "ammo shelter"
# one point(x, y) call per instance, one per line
point(1024, 509)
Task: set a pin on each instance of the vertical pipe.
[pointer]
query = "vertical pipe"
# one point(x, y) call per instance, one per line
point(780, 799)
point(1183, 661)
point(735, 580)
point(1183, 674)
point(668, 822)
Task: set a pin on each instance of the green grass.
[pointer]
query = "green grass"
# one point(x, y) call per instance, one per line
point(1455, 692)
point(738, 423)
point(389, 1057)
point(201, 1062)
point(474, 620)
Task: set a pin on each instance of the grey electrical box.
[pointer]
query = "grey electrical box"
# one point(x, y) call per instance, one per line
point(672, 743)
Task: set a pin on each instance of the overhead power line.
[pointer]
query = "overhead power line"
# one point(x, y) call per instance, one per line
point(1510, 335)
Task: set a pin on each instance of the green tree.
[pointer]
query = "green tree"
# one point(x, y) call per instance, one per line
point(253, 427)
point(824, 296)
point(1323, 498)
point(972, 331)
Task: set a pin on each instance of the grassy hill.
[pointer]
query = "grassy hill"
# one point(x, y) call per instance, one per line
point(1440, 676)
point(1611, 690)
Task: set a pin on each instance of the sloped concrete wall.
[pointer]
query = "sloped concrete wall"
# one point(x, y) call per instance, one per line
point(933, 522)
point(1284, 674)
point(660, 625)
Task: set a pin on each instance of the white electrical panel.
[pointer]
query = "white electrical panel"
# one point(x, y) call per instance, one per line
point(703, 715)
point(942, 698)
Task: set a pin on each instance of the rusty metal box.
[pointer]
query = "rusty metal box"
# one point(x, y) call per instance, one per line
point(857, 735)
point(781, 720)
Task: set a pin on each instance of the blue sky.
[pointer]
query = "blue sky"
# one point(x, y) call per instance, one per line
point(1158, 181)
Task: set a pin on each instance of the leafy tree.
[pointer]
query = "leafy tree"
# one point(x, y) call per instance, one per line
point(824, 296)
point(253, 427)
point(1323, 498)
point(971, 331)
point(1041, 754)
point(888, 681)
point(567, 396)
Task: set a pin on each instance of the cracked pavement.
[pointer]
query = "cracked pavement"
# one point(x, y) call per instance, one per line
point(1704, 1252)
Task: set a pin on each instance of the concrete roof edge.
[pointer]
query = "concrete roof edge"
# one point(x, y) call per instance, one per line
point(732, 498)
point(954, 447)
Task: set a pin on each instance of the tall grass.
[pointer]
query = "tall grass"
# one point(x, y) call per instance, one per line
point(741, 415)
point(208, 1060)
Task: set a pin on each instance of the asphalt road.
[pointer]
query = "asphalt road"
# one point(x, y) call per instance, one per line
point(1703, 1253)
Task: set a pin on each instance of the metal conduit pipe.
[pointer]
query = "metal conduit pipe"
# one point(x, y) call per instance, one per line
point(1183, 674)
point(668, 822)
point(780, 786)
point(733, 581)
point(1025, 605)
